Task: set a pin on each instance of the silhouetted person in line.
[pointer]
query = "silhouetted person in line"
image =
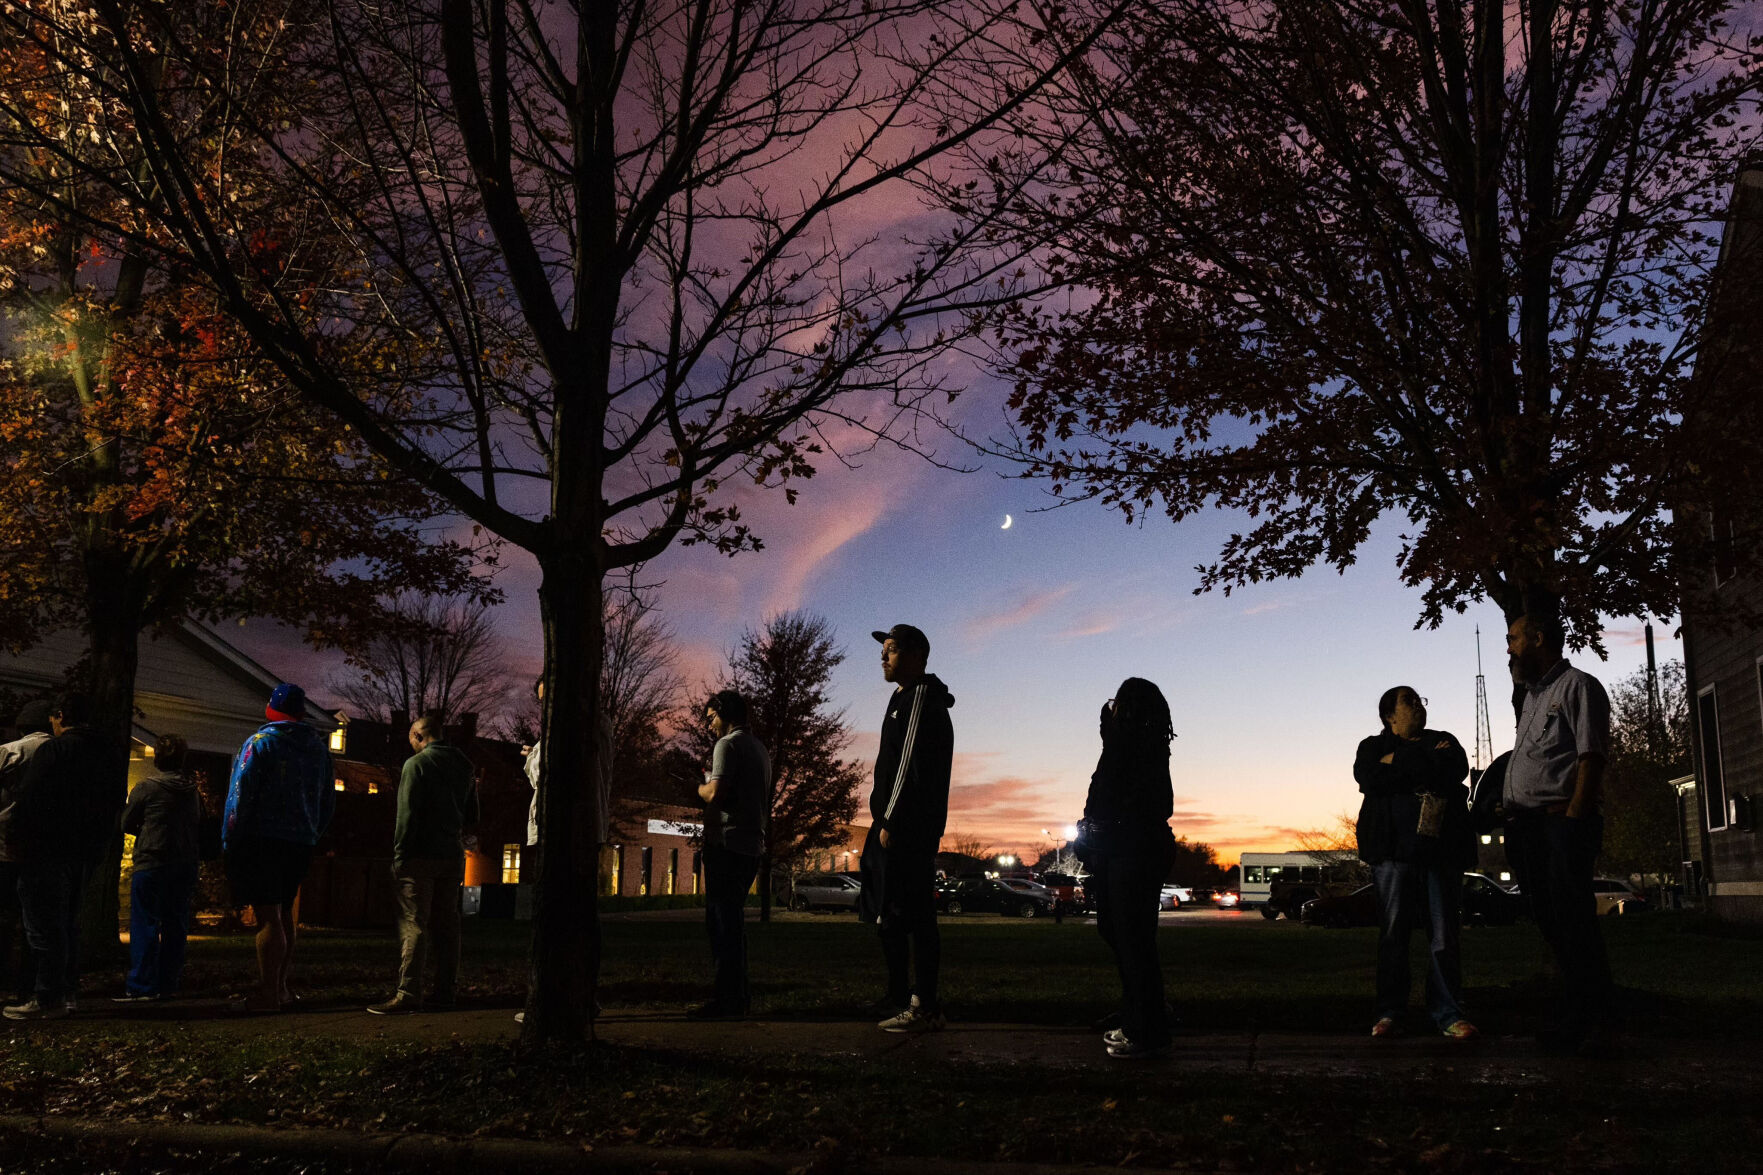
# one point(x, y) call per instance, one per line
point(1414, 833)
point(437, 803)
point(1126, 844)
point(737, 796)
point(1554, 826)
point(279, 802)
point(33, 731)
point(164, 814)
point(909, 808)
point(63, 819)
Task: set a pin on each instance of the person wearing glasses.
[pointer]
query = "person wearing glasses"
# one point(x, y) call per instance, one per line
point(1125, 843)
point(1554, 823)
point(1414, 833)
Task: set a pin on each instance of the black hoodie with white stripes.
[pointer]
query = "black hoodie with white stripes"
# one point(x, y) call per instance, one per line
point(911, 796)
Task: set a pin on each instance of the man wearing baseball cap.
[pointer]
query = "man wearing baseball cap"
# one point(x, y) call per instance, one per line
point(278, 804)
point(909, 807)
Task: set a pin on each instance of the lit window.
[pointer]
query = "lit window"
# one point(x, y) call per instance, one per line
point(510, 864)
point(373, 789)
point(337, 740)
point(1505, 877)
point(672, 869)
point(1487, 838)
point(339, 785)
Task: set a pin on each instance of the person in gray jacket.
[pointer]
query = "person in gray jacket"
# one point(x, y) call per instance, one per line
point(163, 814)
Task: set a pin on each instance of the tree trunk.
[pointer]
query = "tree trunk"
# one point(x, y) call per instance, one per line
point(765, 885)
point(566, 921)
point(114, 611)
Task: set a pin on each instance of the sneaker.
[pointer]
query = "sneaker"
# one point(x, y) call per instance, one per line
point(398, 1005)
point(914, 1019)
point(520, 1017)
point(1113, 1037)
point(32, 1010)
point(1462, 1030)
point(1386, 1026)
point(1133, 1049)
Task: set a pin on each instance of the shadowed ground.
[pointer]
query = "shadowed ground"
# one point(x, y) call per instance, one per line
point(1271, 1070)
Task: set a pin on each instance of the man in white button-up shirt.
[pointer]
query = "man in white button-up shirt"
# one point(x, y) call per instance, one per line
point(1554, 828)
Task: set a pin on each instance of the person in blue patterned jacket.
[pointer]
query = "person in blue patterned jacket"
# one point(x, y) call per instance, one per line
point(279, 802)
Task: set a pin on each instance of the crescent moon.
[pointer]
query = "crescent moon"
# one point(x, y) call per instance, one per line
point(1006, 525)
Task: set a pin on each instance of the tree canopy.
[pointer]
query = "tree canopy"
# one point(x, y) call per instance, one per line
point(1445, 264)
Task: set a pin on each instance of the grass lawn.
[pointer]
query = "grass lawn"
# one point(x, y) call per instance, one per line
point(1681, 979)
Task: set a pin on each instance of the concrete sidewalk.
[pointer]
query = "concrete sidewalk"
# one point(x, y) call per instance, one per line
point(1508, 1060)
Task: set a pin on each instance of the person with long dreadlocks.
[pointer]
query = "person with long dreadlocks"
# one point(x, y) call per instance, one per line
point(1126, 844)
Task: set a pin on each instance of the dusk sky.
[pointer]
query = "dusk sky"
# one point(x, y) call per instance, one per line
point(1033, 628)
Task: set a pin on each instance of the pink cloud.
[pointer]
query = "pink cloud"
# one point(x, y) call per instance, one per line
point(1094, 626)
point(1024, 609)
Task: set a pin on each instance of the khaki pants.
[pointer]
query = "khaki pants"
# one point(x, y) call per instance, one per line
point(428, 920)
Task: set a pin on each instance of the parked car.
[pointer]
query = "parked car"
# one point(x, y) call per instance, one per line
point(989, 896)
point(1067, 891)
point(1174, 897)
point(836, 890)
point(1338, 911)
point(1488, 903)
point(1616, 896)
point(1484, 903)
point(1226, 899)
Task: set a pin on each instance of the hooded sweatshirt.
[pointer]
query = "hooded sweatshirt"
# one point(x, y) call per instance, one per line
point(911, 795)
point(437, 802)
point(282, 787)
point(163, 813)
point(68, 797)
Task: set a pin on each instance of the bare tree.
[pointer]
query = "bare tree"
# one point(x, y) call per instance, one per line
point(1335, 845)
point(640, 684)
point(648, 237)
point(433, 653)
point(784, 669)
point(966, 844)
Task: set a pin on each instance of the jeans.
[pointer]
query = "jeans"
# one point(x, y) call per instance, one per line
point(428, 921)
point(50, 893)
point(1552, 858)
point(912, 945)
point(1407, 893)
point(1126, 889)
point(727, 878)
point(159, 926)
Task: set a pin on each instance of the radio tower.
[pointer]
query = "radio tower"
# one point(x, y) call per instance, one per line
point(1484, 734)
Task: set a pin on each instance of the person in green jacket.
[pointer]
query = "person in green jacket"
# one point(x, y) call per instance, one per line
point(437, 803)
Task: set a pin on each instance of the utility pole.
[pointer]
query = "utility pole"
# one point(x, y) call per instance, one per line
point(1653, 739)
point(1484, 732)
